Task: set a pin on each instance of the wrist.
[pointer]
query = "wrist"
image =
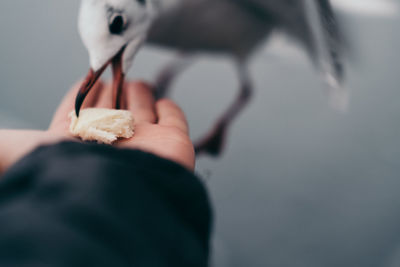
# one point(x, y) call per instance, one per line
point(15, 144)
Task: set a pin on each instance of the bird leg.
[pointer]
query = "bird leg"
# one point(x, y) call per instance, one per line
point(118, 80)
point(168, 73)
point(213, 143)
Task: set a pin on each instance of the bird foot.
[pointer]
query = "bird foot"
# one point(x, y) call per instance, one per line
point(213, 144)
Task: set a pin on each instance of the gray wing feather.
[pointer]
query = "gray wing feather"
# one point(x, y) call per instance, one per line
point(329, 43)
point(333, 37)
point(294, 17)
point(314, 24)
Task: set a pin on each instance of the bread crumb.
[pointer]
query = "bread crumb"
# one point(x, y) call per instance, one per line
point(102, 125)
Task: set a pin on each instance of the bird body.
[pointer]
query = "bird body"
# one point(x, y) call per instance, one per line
point(220, 26)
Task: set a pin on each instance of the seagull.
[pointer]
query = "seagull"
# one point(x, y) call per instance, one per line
point(114, 30)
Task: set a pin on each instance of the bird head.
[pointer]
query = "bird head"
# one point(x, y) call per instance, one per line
point(112, 31)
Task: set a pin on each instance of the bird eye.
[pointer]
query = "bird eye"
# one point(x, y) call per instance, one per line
point(142, 2)
point(117, 24)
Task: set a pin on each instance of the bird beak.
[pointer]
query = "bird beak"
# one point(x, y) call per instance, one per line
point(93, 76)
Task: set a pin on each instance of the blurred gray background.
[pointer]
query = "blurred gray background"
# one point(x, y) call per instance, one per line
point(299, 184)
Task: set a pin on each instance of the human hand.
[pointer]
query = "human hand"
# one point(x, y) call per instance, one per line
point(160, 127)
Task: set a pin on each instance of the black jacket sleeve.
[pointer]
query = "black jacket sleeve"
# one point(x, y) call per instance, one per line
point(75, 204)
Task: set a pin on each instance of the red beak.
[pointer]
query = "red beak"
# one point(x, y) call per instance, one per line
point(93, 76)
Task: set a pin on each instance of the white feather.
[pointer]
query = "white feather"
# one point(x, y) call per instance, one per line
point(386, 8)
point(100, 43)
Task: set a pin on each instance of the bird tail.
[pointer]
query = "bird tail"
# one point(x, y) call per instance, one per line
point(328, 49)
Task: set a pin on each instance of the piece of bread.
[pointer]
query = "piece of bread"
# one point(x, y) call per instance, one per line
point(102, 125)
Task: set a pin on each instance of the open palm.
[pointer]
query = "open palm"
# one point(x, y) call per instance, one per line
point(160, 127)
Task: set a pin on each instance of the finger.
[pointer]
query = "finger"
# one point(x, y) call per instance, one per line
point(68, 103)
point(169, 114)
point(140, 101)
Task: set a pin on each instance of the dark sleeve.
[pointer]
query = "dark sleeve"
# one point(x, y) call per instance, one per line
point(75, 204)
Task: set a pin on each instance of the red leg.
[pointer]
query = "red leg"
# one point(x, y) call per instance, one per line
point(168, 74)
point(118, 81)
point(213, 143)
point(117, 93)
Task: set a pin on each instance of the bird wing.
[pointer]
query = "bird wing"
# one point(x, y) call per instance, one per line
point(329, 45)
point(313, 23)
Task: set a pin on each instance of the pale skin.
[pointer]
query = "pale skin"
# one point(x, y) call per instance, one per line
point(160, 127)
